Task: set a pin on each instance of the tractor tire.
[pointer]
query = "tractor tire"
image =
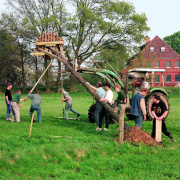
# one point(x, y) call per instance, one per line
point(91, 113)
point(149, 101)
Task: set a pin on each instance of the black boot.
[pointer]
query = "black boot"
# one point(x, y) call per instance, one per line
point(171, 137)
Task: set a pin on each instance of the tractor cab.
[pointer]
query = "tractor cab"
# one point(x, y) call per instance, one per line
point(148, 74)
point(156, 85)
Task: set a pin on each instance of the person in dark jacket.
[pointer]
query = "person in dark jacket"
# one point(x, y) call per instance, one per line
point(8, 99)
point(121, 96)
point(160, 111)
point(138, 108)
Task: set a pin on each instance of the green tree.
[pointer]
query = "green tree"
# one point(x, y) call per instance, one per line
point(173, 41)
point(116, 55)
point(97, 25)
point(9, 57)
point(88, 28)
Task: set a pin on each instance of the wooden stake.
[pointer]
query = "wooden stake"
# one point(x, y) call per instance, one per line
point(31, 125)
point(158, 128)
point(121, 123)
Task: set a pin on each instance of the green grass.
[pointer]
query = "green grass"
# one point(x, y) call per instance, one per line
point(72, 149)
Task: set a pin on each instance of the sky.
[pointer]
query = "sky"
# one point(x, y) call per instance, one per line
point(163, 15)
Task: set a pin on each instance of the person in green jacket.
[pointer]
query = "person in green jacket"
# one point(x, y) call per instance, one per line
point(15, 106)
point(121, 96)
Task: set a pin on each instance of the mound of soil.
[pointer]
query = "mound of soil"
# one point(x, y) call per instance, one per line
point(136, 135)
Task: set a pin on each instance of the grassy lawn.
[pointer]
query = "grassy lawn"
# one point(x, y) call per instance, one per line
point(72, 149)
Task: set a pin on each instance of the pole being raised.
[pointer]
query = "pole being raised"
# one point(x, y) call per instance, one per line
point(108, 108)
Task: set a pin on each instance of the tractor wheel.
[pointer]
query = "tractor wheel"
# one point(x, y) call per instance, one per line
point(149, 101)
point(91, 113)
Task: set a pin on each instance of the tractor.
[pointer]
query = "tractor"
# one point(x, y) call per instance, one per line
point(136, 73)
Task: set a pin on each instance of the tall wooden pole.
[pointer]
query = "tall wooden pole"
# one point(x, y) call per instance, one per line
point(39, 79)
point(62, 53)
point(56, 55)
point(42, 75)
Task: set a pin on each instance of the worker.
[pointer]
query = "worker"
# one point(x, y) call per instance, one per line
point(35, 105)
point(144, 84)
point(138, 108)
point(8, 99)
point(15, 106)
point(160, 111)
point(67, 98)
point(100, 91)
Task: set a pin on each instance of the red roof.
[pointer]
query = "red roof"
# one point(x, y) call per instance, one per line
point(157, 43)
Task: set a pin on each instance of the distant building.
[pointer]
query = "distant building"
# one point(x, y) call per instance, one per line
point(157, 54)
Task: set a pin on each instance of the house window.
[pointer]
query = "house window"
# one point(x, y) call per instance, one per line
point(163, 49)
point(148, 64)
point(148, 79)
point(177, 78)
point(168, 78)
point(151, 49)
point(139, 64)
point(156, 64)
point(176, 64)
point(168, 64)
point(156, 78)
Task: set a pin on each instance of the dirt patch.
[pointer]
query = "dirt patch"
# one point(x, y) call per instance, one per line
point(136, 135)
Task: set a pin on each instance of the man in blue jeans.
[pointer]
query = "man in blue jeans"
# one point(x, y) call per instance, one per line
point(138, 108)
point(35, 105)
point(67, 98)
point(98, 107)
point(8, 99)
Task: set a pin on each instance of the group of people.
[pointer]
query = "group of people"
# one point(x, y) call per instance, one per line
point(158, 109)
point(138, 107)
point(106, 96)
point(13, 104)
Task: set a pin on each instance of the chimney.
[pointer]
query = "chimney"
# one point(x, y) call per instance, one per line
point(147, 39)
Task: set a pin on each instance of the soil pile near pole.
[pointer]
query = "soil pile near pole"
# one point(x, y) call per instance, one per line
point(136, 135)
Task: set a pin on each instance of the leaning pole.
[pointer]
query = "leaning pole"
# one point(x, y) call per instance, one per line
point(55, 54)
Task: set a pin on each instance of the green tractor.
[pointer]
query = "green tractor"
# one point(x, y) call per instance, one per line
point(113, 78)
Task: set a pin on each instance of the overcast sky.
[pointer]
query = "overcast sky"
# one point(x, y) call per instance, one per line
point(163, 15)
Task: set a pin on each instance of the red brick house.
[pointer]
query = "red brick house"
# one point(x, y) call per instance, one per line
point(157, 54)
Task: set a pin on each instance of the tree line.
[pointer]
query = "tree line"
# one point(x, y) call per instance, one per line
point(91, 30)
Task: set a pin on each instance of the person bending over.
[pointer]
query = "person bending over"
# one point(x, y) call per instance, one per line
point(67, 98)
point(160, 111)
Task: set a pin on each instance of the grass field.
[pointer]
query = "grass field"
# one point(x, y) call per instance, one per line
point(72, 149)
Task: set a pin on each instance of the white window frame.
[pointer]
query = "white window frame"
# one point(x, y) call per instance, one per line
point(170, 64)
point(175, 64)
point(151, 49)
point(163, 49)
point(155, 64)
